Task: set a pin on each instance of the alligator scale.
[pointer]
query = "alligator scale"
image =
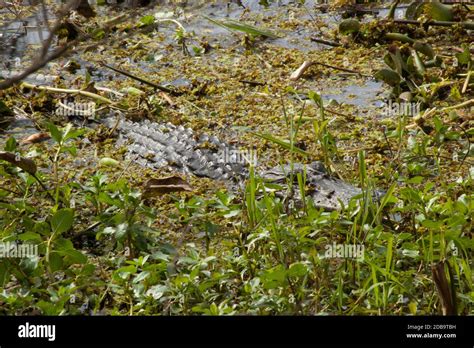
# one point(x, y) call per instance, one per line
point(177, 148)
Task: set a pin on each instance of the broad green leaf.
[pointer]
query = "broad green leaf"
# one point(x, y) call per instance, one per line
point(70, 149)
point(48, 308)
point(439, 11)
point(141, 277)
point(388, 76)
point(62, 220)
point(297, 269)
point(420, 66)
point(132, 91)
point(55, 261)
point(55, 133)
point(72, 256)
point(424, 48)
point(4, 273)
point(147, 20)
point(432, 224)
point(29, 236)
point(274, 277)
point(157, 291)
point(412, 307)
point(63, 244)
point(464, 57)
point(121, 231)
point(130, 269)
point(400, 64)
point(11, 144)
point(433, 9)
point(414, 9)
point(73, 133)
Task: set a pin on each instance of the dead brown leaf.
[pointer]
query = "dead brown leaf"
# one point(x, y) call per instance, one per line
point(161, 186)
point(35, 138)
point(444, 287)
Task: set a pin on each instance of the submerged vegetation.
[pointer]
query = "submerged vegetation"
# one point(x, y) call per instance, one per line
point(296, 82)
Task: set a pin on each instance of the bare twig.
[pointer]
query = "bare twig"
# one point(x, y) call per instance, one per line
point(465, 104)
point(326, 42)
point(146, 82)
point(69, 91)
point(300, 71)
point(42, 59)
point(466, 82)
point(38, 64)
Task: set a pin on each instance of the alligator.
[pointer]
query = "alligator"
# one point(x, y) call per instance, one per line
point(164, 145)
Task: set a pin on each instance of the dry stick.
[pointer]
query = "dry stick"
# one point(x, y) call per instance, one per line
point(105, 89)
point(267, 65)
point(146, 82)
point(465, 104)
point(69, 91)
point(114, 21)
point(300, 71)
point(326, 42)
point(167, 98)
point(466, 82)
point(253, 83)
point(115, 126)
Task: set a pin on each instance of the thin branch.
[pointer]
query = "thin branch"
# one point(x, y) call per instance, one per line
point(146, 82)
point(42, 59)
point(69, 91)
point(300, 71)
point(326, 42)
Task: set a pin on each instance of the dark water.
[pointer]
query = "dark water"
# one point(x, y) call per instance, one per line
point(21, 37)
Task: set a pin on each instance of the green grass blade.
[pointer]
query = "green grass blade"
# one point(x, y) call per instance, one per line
point(280, 142)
